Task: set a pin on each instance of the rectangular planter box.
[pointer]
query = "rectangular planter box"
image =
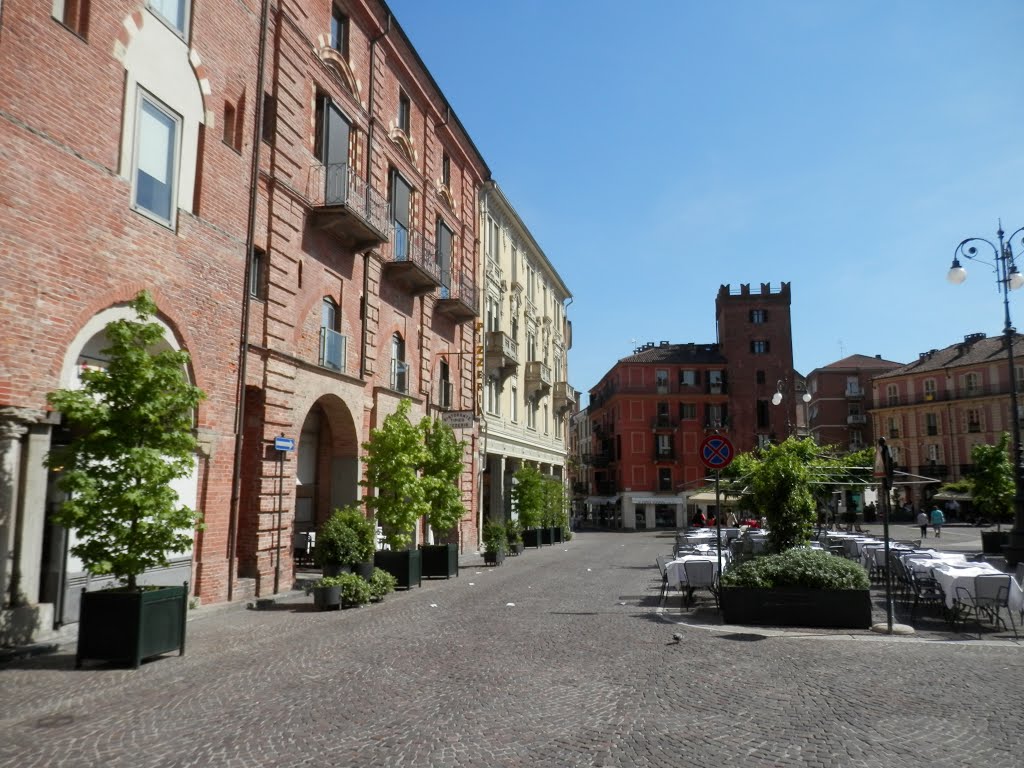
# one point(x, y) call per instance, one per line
point(127, 627)
point(440, 560)
point(404, 565)
point(556, 534)
point(547, 536)
point(327, 598)
point(795, 607)
point(494, 558)
point(992, 542)
point(531, 537)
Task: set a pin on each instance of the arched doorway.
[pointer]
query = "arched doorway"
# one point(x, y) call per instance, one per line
point(327, 472)
point(63, 574)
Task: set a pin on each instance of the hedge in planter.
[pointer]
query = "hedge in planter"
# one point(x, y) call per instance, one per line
point(799, 587)
point(133, 436)
point(494, 542)
point(346, 540)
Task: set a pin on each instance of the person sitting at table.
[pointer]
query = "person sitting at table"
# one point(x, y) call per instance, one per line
point(712, 522)
point(700, 520)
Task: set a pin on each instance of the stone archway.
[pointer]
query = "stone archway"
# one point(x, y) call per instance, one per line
point(327, 473)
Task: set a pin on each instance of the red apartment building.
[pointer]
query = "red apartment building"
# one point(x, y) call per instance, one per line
point(934, 410)
point(130, 132)
point(651, 411)
point(838, 412)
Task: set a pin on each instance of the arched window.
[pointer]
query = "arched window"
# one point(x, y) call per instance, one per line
point(399, 368)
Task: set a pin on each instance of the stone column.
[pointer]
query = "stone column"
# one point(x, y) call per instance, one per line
point(12, 429)
point(31, 520)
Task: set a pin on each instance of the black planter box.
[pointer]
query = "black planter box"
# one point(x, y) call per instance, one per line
point(128, 626)
point(440, 560)
point(992, 542)
point(327, 598)
point(531, 537)
point(404, 565)
point(494, 558)
point(796, 607)
point(364, 569)
point(547, 536)
point(516, 548)
point(556, 534)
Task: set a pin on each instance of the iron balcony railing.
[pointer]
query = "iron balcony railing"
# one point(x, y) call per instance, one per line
point(462, 289)
point(413, 247)
point(664, 422)
point(335, 185)
point(332, 350)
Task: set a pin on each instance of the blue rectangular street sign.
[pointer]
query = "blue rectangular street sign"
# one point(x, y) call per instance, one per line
point(284, 443)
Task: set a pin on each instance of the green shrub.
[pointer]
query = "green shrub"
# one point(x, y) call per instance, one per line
point(513, 533)
point(798, 568)
point(381, 583)
point(347, 537)
point(494, 536)
point(323, 581)
point(355, 590)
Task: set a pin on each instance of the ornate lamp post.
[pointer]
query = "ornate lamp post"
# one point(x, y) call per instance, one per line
point(1009, 279)
point(780, 388)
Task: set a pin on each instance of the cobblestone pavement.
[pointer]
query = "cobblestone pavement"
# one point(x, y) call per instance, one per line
point(562, 657)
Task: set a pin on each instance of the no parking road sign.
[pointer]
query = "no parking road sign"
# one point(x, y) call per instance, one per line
point(716, 452)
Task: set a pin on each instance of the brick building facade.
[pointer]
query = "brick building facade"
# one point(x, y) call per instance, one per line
point(129, 135)
point(650, 413)
point(839, 411)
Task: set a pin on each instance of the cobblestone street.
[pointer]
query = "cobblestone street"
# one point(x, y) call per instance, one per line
point(562, 657)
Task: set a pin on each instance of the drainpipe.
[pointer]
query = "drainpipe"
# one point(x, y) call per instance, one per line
point(369, 174)
point(243, 341)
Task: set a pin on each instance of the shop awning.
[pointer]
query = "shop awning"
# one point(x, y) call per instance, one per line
point(708, 497)
point(602, 499)
point(952, 496)
point(658, 500)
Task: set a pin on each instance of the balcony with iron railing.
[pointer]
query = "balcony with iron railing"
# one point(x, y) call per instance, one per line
point(410, 259)
point(856, 418)
point(664, 454)
point(564, 396)
point(606, 488)
point(538, 377)
point(854, 393)
point(502, 352)
point(347, 207)
point(332, 350)
point(664, 422)
point(458, 297)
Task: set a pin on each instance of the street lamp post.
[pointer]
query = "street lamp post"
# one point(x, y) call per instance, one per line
point(1009, 279)
point(780, 388)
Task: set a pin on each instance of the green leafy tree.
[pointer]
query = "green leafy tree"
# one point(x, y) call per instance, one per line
point(992, 487)
point(778, 487)
point(441, 473)
point(394, 456)
point(133, 436)
point(528, 496)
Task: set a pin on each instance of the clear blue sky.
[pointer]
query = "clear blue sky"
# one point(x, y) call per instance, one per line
point(659, 149)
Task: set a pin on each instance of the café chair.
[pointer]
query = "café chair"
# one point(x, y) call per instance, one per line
point(700, 574)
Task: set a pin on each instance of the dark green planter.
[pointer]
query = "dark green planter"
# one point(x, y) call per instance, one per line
point(404, 565)
point(992, 542)
point(440, 560)
point(531, 537)
point(515, 548)
point(127, 627)
point(494, 558)
point(556, 534)
point(364, 569)
point(796, 607)
point(547, 536)
point(327, 598)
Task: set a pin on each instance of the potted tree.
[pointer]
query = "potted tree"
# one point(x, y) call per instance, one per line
point(394, 455)
point(441, 472)
point(494, 542)
point(381, 583)
point(346, 542)
point(132, 425)
point(528, 500)
point(514, 537)
point(992, 490)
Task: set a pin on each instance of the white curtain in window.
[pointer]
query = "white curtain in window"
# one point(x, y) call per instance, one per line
point(156, 143)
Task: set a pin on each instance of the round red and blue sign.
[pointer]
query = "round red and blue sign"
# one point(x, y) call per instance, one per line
point(716, 452)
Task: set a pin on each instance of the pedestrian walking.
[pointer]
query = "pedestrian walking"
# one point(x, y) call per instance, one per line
point(938, 519)
point(922, 520)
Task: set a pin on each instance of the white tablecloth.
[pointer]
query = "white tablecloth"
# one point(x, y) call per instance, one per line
point(924, 565)
point(867, 551)
point(677, 576)
point(950, 577)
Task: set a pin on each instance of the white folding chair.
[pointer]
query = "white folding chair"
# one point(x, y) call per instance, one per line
point(700, 574)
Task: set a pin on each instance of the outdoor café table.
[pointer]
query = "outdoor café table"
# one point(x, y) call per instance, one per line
point(923, 565)
point(867, 551)
point(951, 575)
point(675, 574)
